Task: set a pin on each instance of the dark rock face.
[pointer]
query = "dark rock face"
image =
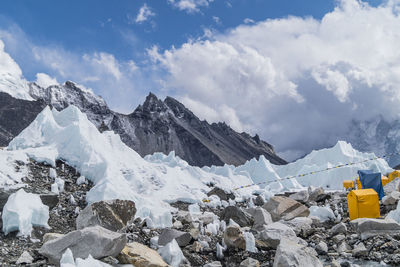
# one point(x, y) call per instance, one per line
point(16, 115)
point(155, 126)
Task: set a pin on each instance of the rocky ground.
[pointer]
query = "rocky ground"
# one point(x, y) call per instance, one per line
point(308, 228)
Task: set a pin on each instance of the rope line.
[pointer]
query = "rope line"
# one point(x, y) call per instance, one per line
point(319, 171)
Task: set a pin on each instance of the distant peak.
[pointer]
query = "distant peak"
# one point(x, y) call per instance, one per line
point(152, 103)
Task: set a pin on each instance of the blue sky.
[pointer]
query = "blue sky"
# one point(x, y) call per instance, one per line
point(262, 66)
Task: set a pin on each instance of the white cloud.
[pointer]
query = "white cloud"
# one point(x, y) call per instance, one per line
point(190, 6)
point(106, 62)
point(248, 21)
point(144, 14)
point(44, 80)
point(297, 81)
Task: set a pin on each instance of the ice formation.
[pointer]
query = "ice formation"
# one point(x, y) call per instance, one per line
point(22, 211)
point(67, 260)
point(323, 213)
point(172, 253)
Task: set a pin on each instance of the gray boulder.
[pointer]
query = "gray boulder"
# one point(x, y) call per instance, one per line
point(391, 198)
point(285, 208)
point(250, 262)
point(290, 253)
point(360, 250)
point(112, 214)
point(301, 196)
point(221, 193)
point(393, 186)
point(233, 237)
point(239, 216)
point(315, 193)
point(261, 217)
point(213, 264)
point(275, 232)
point(339, 228)
point(370, 227)
point(299, 224)
point(96, 241)
point(321, 248)
point(259, 201)
point(167, 235)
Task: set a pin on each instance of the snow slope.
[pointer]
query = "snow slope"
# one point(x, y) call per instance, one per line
point(117, 171)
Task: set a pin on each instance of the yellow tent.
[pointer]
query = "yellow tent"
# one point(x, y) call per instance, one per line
point(363, 203)
point(359, 186)
point(348, 184)
point(385, 180)
point(393, 175)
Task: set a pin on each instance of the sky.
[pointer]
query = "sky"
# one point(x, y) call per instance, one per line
point(295, 72)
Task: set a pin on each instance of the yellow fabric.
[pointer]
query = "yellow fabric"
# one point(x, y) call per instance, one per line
point(348, 184)
point(363, 203)
point(385, 180)
point(393, 175)
point(359, 186)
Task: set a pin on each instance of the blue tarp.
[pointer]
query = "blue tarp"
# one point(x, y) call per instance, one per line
point(372, 180)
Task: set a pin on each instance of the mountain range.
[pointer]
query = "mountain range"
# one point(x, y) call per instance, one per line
point(154, 126)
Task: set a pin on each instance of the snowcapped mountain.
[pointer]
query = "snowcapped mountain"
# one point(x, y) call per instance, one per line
point(377, 135)
point(155, 126)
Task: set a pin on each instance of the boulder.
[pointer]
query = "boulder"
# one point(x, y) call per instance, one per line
point(370, 227)
point(233, 237)
point(315, 193)
point(259, 201)
point(273, 233)
point(250, 262)
point(96, 241)
point(360, 250)
point(299, 224)
point(221, 193)
point(339, 228)
point(343, 247)
point(338, 238)
point(25, 258)
point(239, 216)
point(49, 199)
point(51, 236)
point(184, 216)
point(140, 256)
point(261, 217)
point(301, 196)
point(393, 186)
point(285, 208)
point(167, 235)
point(289, 253)
point(111, 214)
point(321, 248)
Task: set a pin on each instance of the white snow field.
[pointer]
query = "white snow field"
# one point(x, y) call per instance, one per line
point(22, 211)
point(117, 171)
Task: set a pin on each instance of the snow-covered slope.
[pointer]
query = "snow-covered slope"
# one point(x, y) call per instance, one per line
point(117, 171)
point(11, 80)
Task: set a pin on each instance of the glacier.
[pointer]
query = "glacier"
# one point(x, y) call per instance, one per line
point(153, 182)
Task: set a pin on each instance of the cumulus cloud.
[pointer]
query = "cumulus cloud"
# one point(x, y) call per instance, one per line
point(144, 14)
point(190, 6)
point(299, 82)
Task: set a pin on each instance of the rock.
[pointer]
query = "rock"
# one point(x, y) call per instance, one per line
point(96, 241)
point(213, 264)
point(194, 232)
point(233, 237)
point(285, 208)
point(167, 235)
point(360, 250)
point(391, 199)
point(314, 193)
point(196, 247)
point(273, 233)
point(299, 224)
point(370, 227)
point(261, 217)
point(339, 228)
point(207, 217)
point(393, 186)
point(51, 236)
point(177, 224)
point(301, 196)
point(250, 262)
point(184, 216)
point(140, 256)
point(239, 216)
point(50, 199)
point(338, 238)
point(259, 201)
point(291, 254)
point(321, 248)
point(112, 214)
point(221, 193)
point(25, 258)
point(343, 247)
